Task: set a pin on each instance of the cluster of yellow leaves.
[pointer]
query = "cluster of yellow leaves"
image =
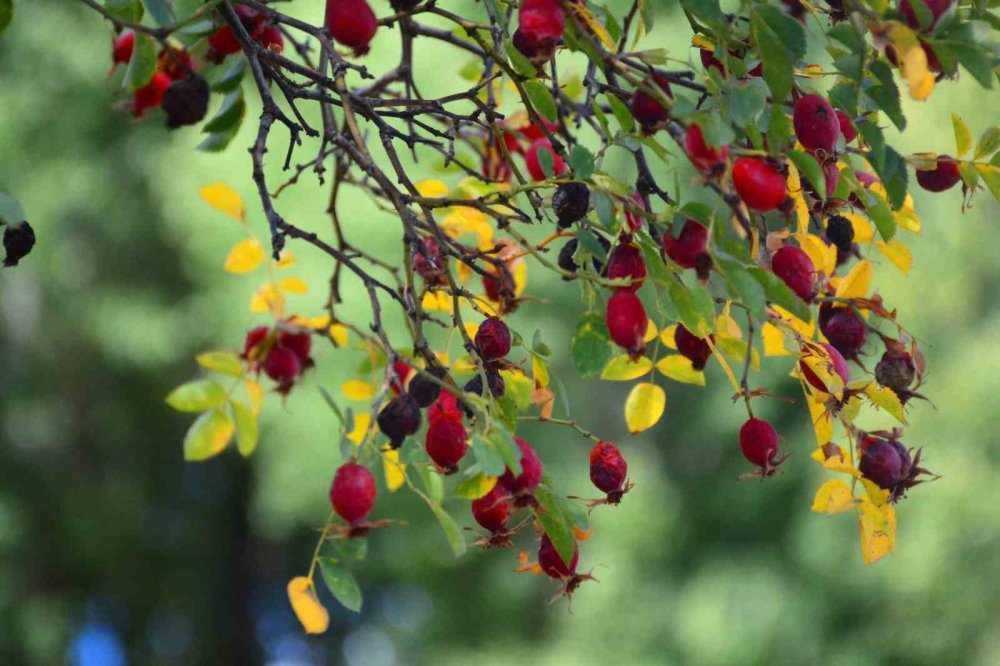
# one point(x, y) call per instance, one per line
point(912, 61)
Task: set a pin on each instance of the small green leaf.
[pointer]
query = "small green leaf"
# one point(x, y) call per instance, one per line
point(341, 584)
point(779, 293)
point(622, 113)
point(221, 362)
point(541, 99)
point(161, 11)
point(197, 396)
point(521, 64)
point(810, 169)
point(691, 316)
point(880, 213)
point(232, 77)
point(230, 114)
point(208, 436)
point(556, 524)
point(988, 142)
point(963, 137)
point(508, 450)
point(590, 348)
point(487, 456)
point(247, 432)
point(142, 66)
point(451, 529)
point(581, 161)
point(885, 93)
point(126, 10)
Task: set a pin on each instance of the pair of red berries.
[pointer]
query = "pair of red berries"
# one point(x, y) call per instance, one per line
point(625, 315)
point(223, 42)
point(283, 355)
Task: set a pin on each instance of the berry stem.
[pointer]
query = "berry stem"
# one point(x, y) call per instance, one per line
point(563, 422)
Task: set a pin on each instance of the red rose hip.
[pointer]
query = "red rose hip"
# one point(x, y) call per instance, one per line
point(352, 493)
point(816, 123)
point(351, 23)
point(534, 164)
point(796, 270)
point(759, 443)
point(837, 365)
point(493, 339)
point(523, 485)
point(446, 443)
point(647, 110)
point(492, 510)
point(626, 320)
point(692, 347)
point(758, 184)
point(686, 248)
point(552, 564)
point(608, 470)
point(942, 177)
point(625, 262)
point(704, 157)
point(282, 365)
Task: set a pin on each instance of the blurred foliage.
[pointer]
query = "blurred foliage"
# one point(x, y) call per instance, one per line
point(113, 551)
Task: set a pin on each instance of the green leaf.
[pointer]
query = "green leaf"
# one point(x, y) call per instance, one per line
point(487, 456)
point(6, 14)
point(521, 64)
point(990, 174)
point(605, 209)
point(974, 57)
point(779, 129)
point(581, 161)
point(895, 177)
point(11, 211)
point(221, 362)
point(590, 348)
point(744, 287)
point(509, 452)
point(709, 13)
point(451, 529)
point(541, 99)
point(208, 436)
point(161, 11)
point(341, 584)
point(230, 114)
point(126, 10)
point(622, 113)
point(232, 78)
point(810, 170)
point(885, 93)
point(880, 213)
point(988, 142)
point(777, 60)
point(556, 524)
point(142, 66)
point(963, 137)
point(779, 293)
point(247, 432)
point(197, 396)
point(688, 308)
point(745, 102)
point(433, 482)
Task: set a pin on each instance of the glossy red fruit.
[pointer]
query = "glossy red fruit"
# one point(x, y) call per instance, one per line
point(531, 472)
point(758, 184)
point(646, 110)
point(352, 492)
point(300, 343)
point(445, 407)
point(685, 249)
point(627, 321)
point(122, 47)
point(709, 61)
point(843, 329)
point(847, 128)
point(446, 443)
point(796, 270)
point(150, 95)
point(625, 262)
point(540, 28)
point(492, 510)
point(552, 564)
point(533, 163)
point(399, 419)
point(943, 177)
point(255, 336)
point(816, 123)
point(837, 365)
point(759, 442)
point(351, 23)
point(271, 38)
point(692, 347)
point(223, 41)
point(493, 339)
point(282, 365)
point(705, 158)
point(896, 370)
point(608, 470)
point(937, 9)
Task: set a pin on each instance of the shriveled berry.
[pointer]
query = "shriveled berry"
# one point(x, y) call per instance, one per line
point(429, 263)
point(150, 95)
point(254, 337)
point(626, 262)
point(626, 320)
point(300, 343)
point(186, 101)
point(608, 470)
point(647, 110)
point(351, 23)
point(705, 158)
point(446, 443)
point(942, 177)
point(836, 365)
point(759, 442)
point(531, 471)
point(885, 462)
point(493, 339)
point(758, 184)
point(423, 389)
point(282, 365)
point(692, 347)
point(540, 29)
point(685, 248)
point(796, 270)
point(816, 123)
point(399, 419)
point(18, 240)
point(840, 232)
point(552, 564)
point(896, 370)
point(847, 128)
point(937, 8)
point(570, 203)
point(352, 492)
point(271, 39)
point(534, 164)
point(494, 379)
point(566, 262)
point(492, 510)
point(122, 47)
point(844, 330)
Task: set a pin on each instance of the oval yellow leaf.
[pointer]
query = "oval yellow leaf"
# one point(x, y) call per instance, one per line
point(224, 199)
point(338, 333)
point(361, 422)
point(644, 407)
point(208, 436)
point(622, 368)
point(863, 229)
point(395, 471)
point(431, 188)
point(833, 497)
point(302, 596)
point(896, 252)
point(244, 257)
point(774, 340)
point(357, 389)
point(293, 285)
point(858, 282)
point(651, 331)
point(680, 369)
point(266, 298)
point(667, 336)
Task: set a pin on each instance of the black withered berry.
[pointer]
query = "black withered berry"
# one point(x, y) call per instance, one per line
point(18, 239)
point(399, 419)
point(424, 390)
point(569, 249)
point(186, 101)
point(496, 382)
point(570, 203)
point(840, 232)
point(896, 370)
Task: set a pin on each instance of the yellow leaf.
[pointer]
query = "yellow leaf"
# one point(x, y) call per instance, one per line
point(897, 253)
point(244, 257)
point(651, 331)
point(821, 420)
point(223, 198)
point(680, 369)
point(357, 389)
point(462, 220)
point(302, 596)
point(700, 41)
point(437, 301)
point(818, 360)
point(208, 436)
point(338, 333)
point(431, 188)
point(878, 531)
point(471, 328)
point(922, 88)
point(833, 497)
point(285, 260)
point(838, 462)
point(644, 407)
point(622, 368)
point(267, 297)
point(806, 330)
point(877, 496)
point(906, 218)
point(595, 26)
point(293, 285)
point(255, 393)
point(545, 400)
point(395, 471)
point(887, 400)
point(824, 256)
point(774, 340)
point(863, 229)
point(737, 350)
point(667, 336)
point(539, 372)
point(362, 420)
point(858, 282)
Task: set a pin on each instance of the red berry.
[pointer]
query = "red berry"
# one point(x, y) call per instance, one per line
point(705, 158)
point(445, 407)
point(254, 337)
point(446, 443)
point(896, 370)
point(942, 177)
point(796, 270)
point(151, 94)
point(937, 9)
point(399, 419)
point(608, 469)
point(816, 123)
point(843, 329)
point(352, 492)
point(540, 28)
point(647, 111)
point(403, 372)
point(534, 164)
point(759, 185)
point(692, 347)
point(531, 471)
point(351, 23)
point(271, 38)
point(282, 365)
point(493, 509)
point(625, 262)
point(686, 248)
point(847, 128)
point(552, 564)
point(627, 321)
point(837, 365)
point(759, 442)
point(635, 221)
point(493, 339)
point(221, 43)
point(300, 343)
point(709, 61)
point(122, 47)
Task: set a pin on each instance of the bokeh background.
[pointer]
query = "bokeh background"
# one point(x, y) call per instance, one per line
point(113, 551)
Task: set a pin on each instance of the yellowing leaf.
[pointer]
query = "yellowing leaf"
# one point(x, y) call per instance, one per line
point(821, 420)
point(878, 531)
point(818, 360)
point(887, 400)
point(266, 298)
point(737, 350)
point(963, 136)
point(255, 394)
point(540, 372)
point(437, 301)
point(667, 336)
point(858, 282)
point(285, 260)
point(221, 362)
point(725, 365)
point(208, 436)
point(464, 220)
point(806, 330)
point(651, 331)
point(476, 486)
point(906, 218)
point(338, 332)
point(774, 340)
point(246, 428)
point(896, 252)
point(824, 256)
point(838, 462)
point(302, 596)
point(197, 396)
point(622, 368)
point(833, 497)
point(357, 389)
point(293, 285)
point(395, 471)
point(680, 369)
point(431, 188)
point(223, 198)
point(863, 229)
point(244, 257)
point(644, 407)
point(585, 15)
point(362, 420)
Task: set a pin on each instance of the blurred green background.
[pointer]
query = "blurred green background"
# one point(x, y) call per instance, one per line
point(113, 551)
